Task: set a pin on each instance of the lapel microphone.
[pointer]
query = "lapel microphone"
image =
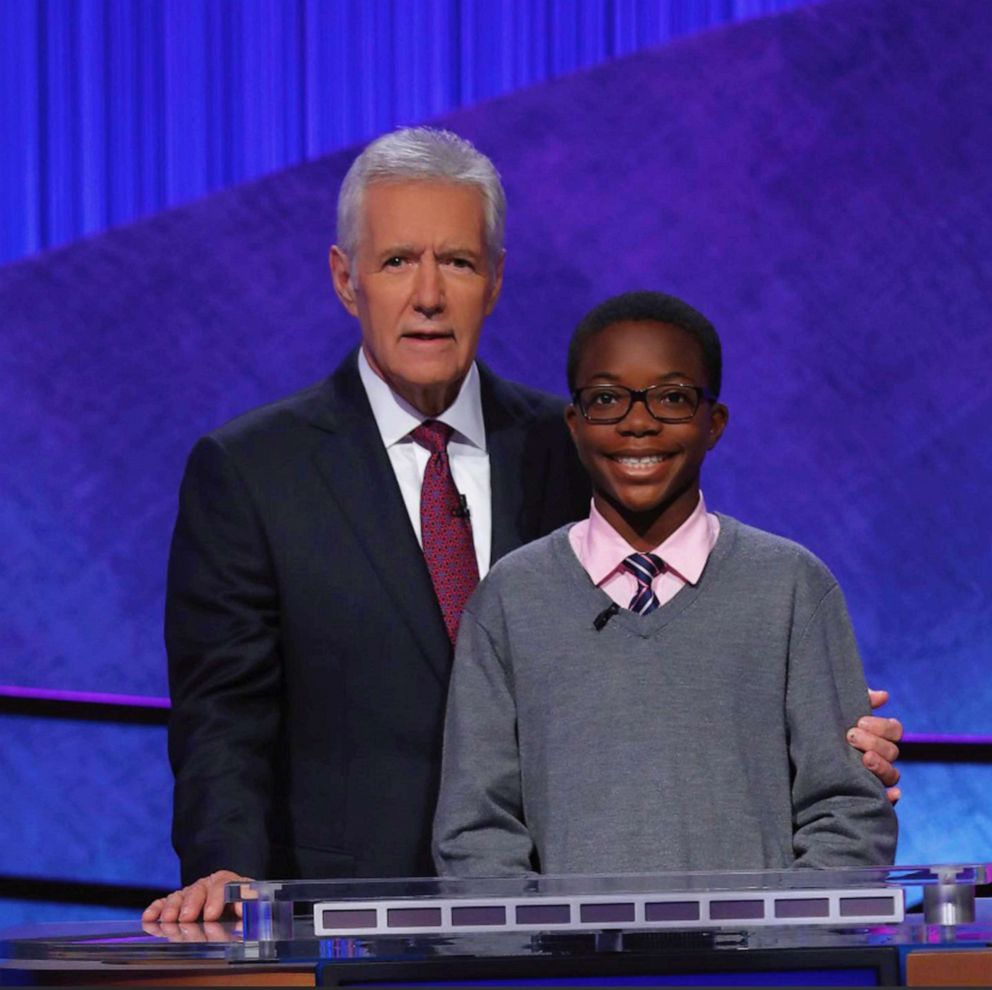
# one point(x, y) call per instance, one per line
point(462, 512)
point(605, 617)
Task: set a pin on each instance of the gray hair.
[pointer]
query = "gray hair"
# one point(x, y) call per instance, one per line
point(421, 154)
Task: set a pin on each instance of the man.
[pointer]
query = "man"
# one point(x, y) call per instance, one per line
point(314, 583)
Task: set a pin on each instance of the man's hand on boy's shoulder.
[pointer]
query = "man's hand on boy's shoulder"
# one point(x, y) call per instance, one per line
point(876, 737)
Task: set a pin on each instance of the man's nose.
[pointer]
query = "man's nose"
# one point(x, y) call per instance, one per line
point(428, 288)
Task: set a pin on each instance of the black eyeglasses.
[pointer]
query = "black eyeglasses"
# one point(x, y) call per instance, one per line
point(667, 403)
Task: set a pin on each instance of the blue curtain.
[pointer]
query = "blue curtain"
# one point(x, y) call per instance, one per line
point(113, 109)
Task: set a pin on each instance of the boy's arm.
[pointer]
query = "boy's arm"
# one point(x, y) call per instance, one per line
point(841, 814)
point(478, 827)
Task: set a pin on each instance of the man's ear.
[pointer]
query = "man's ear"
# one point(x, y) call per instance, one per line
point(719, 418)
point(497, 285)
point(344, 283)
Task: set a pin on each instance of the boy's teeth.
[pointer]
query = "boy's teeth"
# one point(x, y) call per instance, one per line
point(636, 461)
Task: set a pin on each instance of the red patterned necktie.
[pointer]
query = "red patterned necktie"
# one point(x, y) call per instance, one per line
point(445, 529)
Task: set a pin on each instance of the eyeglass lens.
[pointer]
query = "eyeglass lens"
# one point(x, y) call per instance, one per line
point(670, 403)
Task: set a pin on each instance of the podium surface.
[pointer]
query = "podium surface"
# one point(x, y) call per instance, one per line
point(913, 926)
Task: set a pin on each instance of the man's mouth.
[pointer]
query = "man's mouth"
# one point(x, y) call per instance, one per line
point(429, 335)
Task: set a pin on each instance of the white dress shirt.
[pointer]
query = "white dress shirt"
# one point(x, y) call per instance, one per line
point(467, 451)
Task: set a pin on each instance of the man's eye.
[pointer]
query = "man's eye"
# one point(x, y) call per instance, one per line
point(396, 261)
point(463, 264)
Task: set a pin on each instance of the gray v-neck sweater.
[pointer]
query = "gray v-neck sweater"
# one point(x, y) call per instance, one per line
point(709, 734)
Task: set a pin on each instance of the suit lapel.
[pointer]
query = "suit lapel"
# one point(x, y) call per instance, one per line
point(356, 469)
point(511, 474)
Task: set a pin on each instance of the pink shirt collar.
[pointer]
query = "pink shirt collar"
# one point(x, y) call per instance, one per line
point(601, 549)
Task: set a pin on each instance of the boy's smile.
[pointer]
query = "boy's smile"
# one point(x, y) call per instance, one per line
point(645, 472)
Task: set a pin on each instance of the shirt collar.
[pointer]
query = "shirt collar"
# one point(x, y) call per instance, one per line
point(395, 417)
point(685, 552)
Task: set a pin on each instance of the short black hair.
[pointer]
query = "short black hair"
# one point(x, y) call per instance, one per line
point(654, 307)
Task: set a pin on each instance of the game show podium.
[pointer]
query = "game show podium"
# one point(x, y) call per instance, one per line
point(915, 926)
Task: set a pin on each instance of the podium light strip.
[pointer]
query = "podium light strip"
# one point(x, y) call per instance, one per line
point(435, 915)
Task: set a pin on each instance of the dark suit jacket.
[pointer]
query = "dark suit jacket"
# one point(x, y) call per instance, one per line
point(308, 660)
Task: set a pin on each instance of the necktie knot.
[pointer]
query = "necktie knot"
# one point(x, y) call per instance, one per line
point(645, 567)
point(433, 435)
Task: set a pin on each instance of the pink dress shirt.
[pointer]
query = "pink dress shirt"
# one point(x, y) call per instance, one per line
point(601, 550)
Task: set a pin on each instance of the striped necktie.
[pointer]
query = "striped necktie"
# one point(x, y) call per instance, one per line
point(445, 529)
point(645, 567)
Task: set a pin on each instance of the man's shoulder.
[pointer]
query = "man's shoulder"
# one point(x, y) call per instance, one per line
point(285, 413)
point(322, 404)
point(517, 400)
point(261, 443)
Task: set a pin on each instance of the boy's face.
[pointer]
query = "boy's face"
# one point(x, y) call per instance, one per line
point(645, 473)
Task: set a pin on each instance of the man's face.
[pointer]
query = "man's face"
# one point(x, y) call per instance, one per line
point(421, 284)
point(645, 473)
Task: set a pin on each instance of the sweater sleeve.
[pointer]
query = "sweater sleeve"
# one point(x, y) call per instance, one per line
point(478, 827)
point(841, 814)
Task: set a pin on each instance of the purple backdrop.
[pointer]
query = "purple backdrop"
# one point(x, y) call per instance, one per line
point(817, 183)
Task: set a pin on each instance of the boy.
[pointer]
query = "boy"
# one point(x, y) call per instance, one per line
point(574, 696)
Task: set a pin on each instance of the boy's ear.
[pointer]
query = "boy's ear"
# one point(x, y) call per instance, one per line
point(571, 418)
point(719, 417)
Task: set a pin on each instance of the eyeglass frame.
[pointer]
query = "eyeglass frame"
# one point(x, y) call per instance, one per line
point(641, 395)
